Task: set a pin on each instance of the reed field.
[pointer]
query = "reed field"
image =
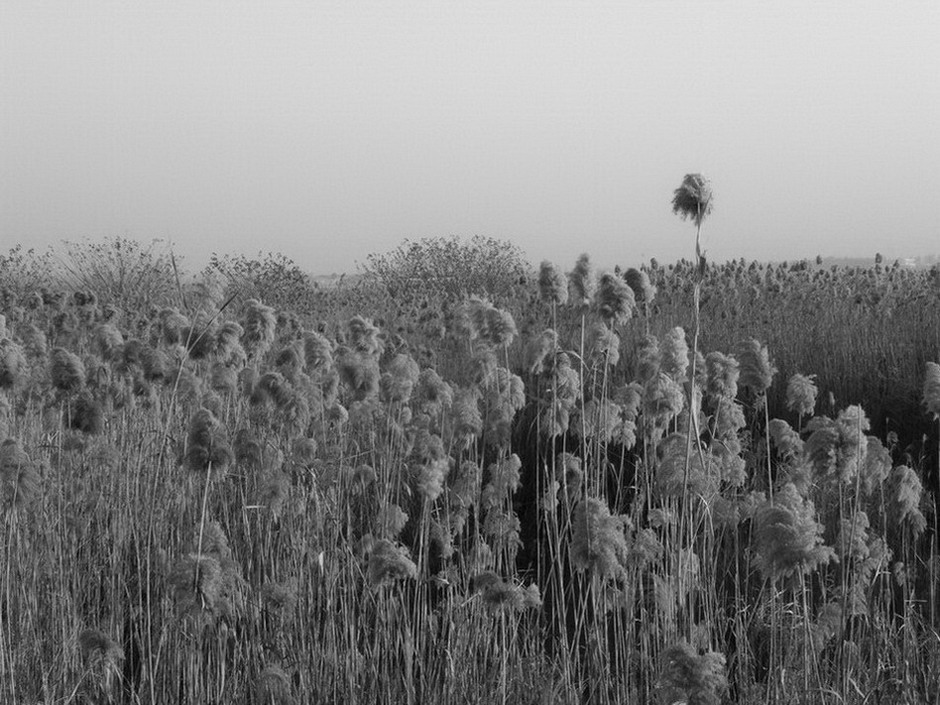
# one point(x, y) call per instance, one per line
point(692, 483)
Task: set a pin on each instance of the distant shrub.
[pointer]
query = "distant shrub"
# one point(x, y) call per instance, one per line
point(19, 271)
point(119, 271)
point(273, 279)
point(451, 268)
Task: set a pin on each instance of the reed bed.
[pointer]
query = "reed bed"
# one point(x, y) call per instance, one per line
point(558, 494)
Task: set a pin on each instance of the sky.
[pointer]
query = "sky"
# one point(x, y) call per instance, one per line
point(330, 130)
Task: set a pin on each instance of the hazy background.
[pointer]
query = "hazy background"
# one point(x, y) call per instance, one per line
point(331, 130)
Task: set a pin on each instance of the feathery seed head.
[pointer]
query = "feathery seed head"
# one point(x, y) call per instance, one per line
point(786, 440)
point(19, 479)
point(390, 521)
point(663, 400)
point(904, 491)
point(801, 394)
point(649, 359)
point(614, 300)
point(12, 364)
point(552, 285)
point(207, 443)
point(389, 562)
point(604, 344)
point(932, 389)
point(692, 678)
point(259, 325)
point(273, 687)
point(500, 329)
point(364, 337)
point(280, 596)
point(722, 373)
point(581, 282)
point(359, 373)
point(109, 341)
point(86, 414)
point(102, 657)
point(224, 379)
point(432, 394)
point(599, 540)
point(756, 369)
point(643, 290)
point(675, 354)
point(273, 492)
point(68, 372)
point(787, 539)
point(172, 325)
point(693, 199)
point(227, 340)
point(289, 360)
point(96, 645)
point(318, 351)
point(400, 378)
point(197, 583)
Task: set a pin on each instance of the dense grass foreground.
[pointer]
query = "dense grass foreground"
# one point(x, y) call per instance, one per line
point(214, 502)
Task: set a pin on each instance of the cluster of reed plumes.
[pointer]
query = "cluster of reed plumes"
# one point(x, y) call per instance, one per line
point(231, 503)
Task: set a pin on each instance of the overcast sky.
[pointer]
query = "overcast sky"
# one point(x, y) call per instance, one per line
point(330, 130)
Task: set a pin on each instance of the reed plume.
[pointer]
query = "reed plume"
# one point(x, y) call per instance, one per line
point(86, 414)
point(109, 341)
point(432, 395)
point(13, 366)
point(643, 290)
point(68, 372)
point(675, 354)
point(786, 440)
point(364, 337)
point(198, 584)
point(648, 359)
point(692, 678)
point(19, 478)
point(693, 199)
point(399, 380)
point(274, 491)
point(280, 597)
point(359, 372)
point(801, 394)
point(259, 325)
point(206, 443)
point(904, 500)
point(318, 351)
point(932, 389)
point(388, 563)
point(614, 300)
point(599, 540)
point(273, 687)
point(581, 282)
point(722, 373)
point(604, 345)
point(34, 342)
point(663, 400)
point(553, 288)
point(787, 539)
point(430, 476)
point(172, 325)
point(628, 398)
point(503, 595)
point(875, 466)
point(390, 521)
point(756, 370)
point(540, 351)
point(102, 658)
